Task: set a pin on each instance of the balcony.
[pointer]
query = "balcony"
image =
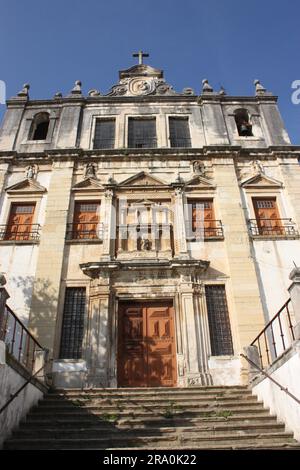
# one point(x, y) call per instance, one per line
point(144, 240)
point(212, 232)
point(273, 228)
point(20, 232)
point(85, 231)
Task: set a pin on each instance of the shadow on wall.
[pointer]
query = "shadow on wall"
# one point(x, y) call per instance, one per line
point(41, 298)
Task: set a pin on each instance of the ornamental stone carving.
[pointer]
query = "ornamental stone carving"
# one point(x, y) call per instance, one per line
point(141, 86)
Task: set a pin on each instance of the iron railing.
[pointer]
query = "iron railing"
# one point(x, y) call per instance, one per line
point(20, 343)
point(276, 336)
point(282, 388)
point(183, 142)
point(272, 227)
point(142, 143)
point(144, 237)
point(85, 231)
point(20, 232)
point(213, 229)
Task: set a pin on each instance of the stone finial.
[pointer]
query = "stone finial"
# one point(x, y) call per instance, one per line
point(77, 88)
point(222, 91)
point(57, 95)
point(111, 179)
point(188, 91)
point(94, 93)
point(24, 93)
point(206, 88)
point(259, 89)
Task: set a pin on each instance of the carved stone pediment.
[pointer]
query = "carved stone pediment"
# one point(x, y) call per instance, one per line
point(200, 182)
point(141, 80)
point(143, 179)
point(87, 184)
point(26, 186)
point(261, 180)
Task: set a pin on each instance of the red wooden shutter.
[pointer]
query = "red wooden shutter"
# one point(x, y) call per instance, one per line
point(86, 219)
point(267, 216)
point(203, 217)
point(19, 225)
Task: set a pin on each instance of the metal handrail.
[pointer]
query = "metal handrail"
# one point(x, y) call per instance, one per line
point(19, 341)
point(29, 380)
point(282, 388)
point(267, 333)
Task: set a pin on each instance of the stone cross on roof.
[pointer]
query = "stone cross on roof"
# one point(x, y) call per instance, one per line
point(140, 55)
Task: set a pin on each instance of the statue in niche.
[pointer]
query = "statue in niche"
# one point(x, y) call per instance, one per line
point(258, 166)
point(90, 171)
point(199, 168)
point(31, 172)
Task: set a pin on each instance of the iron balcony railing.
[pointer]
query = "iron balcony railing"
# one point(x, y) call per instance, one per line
point(144, 237)
point(104, 143)
point(205, 231)
point(85, 231)
point(142, 143)
point(20, 343)
point(276, 336)
point(183, 142)
point(272, 227)
point(20, 232)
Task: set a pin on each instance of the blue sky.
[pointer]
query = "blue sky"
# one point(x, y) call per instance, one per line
point(50, 44)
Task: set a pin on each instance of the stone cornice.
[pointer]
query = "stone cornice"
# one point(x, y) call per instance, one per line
point(196, 99)
point(215, 151)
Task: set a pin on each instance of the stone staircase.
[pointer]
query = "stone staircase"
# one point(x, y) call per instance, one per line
point(151, 418)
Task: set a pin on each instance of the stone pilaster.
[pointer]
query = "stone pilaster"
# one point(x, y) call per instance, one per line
point(109, 225)
point(3, 173)
point(294, 291)
point(179, 225)
point(97, 338)
point(246, 312)
point(45, 296)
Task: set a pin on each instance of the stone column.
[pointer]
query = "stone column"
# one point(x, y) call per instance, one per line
point(45, 295)
point(3, 172)
point(294, 291)
point(97, 345)
point(109, 239)
point(191, 348)
point(179, 225)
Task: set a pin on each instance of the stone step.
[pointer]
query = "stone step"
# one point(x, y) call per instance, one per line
point(132, 406)
point(190, 431)
point(117, 414)
point(158, 442)
point(90, 422)
point(150, 391)
point(140, 400)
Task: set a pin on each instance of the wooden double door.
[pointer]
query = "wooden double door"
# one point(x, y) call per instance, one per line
point(146, 345)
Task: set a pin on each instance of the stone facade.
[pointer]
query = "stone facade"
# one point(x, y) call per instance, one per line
point(231, 169)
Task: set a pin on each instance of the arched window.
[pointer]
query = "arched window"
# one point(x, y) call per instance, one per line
point(243, 125)
point(39, 127)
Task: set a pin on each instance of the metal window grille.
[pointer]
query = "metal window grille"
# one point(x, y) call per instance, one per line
point(142, 133)
point(73, 323)
point(23, 209)
point(265, 204)
point(87, 207)
point(218, 320)
point(104, 137)
point(179, 132)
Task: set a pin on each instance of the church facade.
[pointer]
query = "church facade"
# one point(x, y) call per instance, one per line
point(147, 235)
